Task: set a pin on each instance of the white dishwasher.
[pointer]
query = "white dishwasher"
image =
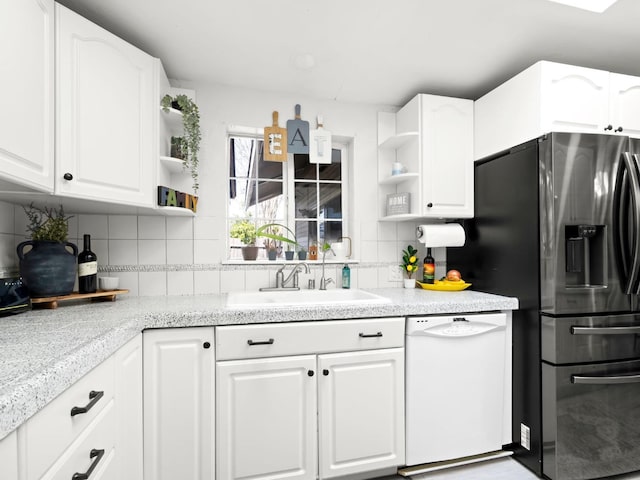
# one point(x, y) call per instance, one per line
point(455, 386)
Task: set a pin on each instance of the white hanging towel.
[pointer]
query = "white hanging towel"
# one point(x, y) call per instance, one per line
point(319, 144)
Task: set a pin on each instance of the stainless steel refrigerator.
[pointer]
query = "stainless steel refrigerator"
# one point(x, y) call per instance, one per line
point(557, 225)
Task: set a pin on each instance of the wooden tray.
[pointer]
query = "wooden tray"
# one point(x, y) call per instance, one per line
point(99, 296)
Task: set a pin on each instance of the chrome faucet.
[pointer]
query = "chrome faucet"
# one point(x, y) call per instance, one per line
point(325, 281)
point(281, 282)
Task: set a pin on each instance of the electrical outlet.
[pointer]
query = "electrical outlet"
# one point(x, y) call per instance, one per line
point(525, 436)
point(395, 273)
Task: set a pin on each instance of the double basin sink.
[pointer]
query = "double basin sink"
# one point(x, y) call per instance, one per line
point(292, 298)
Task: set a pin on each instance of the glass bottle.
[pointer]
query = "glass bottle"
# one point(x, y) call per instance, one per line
point(346, 276)
point(87, 268)
point(428, 268)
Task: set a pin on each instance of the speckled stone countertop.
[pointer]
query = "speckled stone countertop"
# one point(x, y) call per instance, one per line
point(43, 352)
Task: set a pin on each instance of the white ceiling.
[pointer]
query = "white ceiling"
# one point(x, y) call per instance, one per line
point(372, 51)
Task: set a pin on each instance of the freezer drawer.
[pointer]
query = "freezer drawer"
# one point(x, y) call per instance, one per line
point(591, 420)
point(590, 339)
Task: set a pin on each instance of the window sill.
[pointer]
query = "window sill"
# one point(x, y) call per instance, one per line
point(288, 262)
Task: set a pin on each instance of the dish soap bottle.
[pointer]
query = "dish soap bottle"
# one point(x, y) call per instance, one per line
point(346, 276)
point(428, 268)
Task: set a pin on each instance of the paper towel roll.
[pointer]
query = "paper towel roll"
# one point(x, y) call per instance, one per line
point(441, 235)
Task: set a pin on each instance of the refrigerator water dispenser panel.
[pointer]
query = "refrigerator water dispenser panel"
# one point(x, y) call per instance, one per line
point(586, 254)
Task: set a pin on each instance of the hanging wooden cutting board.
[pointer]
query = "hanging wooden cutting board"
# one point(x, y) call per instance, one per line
point(275, 141)
point(297, 134)
point(319, 144)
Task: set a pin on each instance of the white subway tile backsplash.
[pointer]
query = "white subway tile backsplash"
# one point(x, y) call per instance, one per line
point(389, 251)
point(8, 256)
point(256, 279)
point(152, 283)
point(206, 251)
point(180, 283)
point(152, 228)
point(206, 282)
point(122, 252)
point(231, 281)
point(152, 252)
point(128, 280)
point(207, 228)
point(179, 252)
point(123, 227)
point(95, 225)
point(179, 228)
point(7, 218)
point(387, 231)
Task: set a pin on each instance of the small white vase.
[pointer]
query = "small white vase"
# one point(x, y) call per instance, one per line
point(409, 283)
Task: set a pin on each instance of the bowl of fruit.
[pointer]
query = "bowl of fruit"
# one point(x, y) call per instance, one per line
point(451, 282)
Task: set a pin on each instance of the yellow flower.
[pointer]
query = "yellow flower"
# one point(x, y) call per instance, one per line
point(410, 268)
point(412, 260)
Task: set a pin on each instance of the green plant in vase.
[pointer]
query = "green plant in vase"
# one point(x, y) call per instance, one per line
point(271, 231)
point(245, 231)
point(192, 135)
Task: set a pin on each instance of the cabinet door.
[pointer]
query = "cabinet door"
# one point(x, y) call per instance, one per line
point(178, 403)
point(26, 69)
point(128, 394)
point(106, 111)
point(447, 156)
point(624, 104)
point(9, 456)
point(360, 411)
point(574, 99)
point(266, 418)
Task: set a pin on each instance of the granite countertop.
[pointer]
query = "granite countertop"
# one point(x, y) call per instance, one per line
point(43, 352)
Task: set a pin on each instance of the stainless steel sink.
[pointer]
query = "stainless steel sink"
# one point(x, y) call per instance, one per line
point(276, 298)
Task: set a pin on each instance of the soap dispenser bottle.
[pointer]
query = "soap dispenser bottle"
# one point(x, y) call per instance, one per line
point(346, 276)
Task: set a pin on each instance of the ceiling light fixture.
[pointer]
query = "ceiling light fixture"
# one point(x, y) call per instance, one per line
point(598, 6)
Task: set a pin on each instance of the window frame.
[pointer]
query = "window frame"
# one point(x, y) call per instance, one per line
point(289, 185)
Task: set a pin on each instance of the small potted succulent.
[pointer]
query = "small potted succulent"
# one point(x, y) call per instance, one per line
point(245, 231)
point(48, 268)
point(409, 265)
point(271, 231)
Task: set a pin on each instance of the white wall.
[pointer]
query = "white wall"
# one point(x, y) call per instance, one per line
point(156, 255)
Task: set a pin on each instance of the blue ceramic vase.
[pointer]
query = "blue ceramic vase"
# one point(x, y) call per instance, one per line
point(49, 268)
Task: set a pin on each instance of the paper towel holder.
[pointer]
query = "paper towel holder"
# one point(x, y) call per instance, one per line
point(455, 239)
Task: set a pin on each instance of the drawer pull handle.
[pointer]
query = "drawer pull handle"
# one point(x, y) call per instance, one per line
point(266, 342)
point(370, 335)
point(97, 454)
point(94, 397)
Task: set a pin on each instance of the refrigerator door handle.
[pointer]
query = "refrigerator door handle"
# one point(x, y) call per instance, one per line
point(604, 330)
point(605, 380)
point(627, 194)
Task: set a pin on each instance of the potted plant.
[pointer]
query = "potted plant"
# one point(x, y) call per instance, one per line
point(245, 231)
point(409, 265)
point(48, 268)
point(190, 143)
point(271, 231)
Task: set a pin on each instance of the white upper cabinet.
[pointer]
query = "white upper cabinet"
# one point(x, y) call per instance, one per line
point(27, 71)
point(431, 140)
point(550, 97)
point(106, 126)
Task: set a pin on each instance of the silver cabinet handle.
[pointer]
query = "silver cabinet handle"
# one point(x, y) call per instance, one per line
point(604, 380)
point(604, 330)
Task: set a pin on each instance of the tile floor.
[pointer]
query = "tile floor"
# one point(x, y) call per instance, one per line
point(500, 469)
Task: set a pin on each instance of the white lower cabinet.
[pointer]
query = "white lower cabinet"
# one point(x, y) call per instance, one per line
point(310, 414)
point(266, 418)
point(93, 428)
point(178, 404)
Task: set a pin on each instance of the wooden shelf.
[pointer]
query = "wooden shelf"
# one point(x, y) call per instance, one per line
point(173, 165)
point(401, 218)
point(399, 140)
point(401, 178)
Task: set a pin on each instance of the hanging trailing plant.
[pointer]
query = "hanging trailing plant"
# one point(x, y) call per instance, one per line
point(192, 136)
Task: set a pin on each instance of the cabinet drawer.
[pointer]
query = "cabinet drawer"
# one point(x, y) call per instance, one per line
point(272, 340)
point(93, 451)
point(53, 429)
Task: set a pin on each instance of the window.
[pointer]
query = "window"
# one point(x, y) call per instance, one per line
point(307, 198)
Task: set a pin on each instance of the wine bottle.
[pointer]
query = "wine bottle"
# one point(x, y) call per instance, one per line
point(428, 268)
point(87, 268)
